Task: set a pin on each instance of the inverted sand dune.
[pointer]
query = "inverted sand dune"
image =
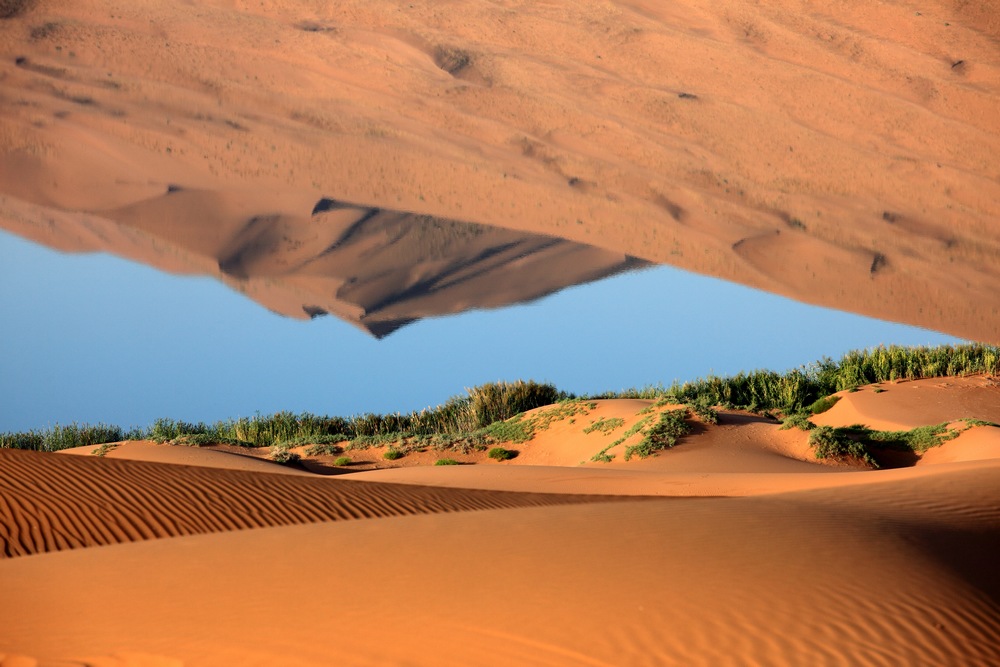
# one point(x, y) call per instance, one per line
point(841, 156)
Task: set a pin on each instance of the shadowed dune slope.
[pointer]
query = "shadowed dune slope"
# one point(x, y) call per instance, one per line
point(886, 574)
point(50, 503)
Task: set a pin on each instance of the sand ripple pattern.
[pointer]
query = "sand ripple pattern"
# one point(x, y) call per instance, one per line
point(52, 503)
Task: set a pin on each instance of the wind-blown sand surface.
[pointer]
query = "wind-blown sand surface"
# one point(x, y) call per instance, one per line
point(596, 564)
point(842, 155)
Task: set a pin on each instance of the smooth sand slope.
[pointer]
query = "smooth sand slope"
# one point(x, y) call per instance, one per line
point(803, 563)
point(842, 155)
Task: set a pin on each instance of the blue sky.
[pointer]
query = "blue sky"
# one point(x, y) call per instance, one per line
point(93, 338)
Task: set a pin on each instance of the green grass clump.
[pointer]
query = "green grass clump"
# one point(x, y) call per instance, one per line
point(672, 425)
point(821, 405)
point(33, 440)
point(342, 461)
point(605, 426)
point(392, 455)
point(499, 401)
point(65, 437)
point(501, 454)
point(446, 462)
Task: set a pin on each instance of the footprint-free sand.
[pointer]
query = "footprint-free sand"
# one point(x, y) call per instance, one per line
point(679, 559)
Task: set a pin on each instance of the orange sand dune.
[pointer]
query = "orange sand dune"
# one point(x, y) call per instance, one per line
point(507, 563)
point(52, 503)
point(145, 450)
point(841, 155)
point(898, 572)
point(895, 406)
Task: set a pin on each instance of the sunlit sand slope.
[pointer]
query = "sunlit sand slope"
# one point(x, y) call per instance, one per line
point(905, 405)
point(883, 574)
point(843, 155)
point(50, 503)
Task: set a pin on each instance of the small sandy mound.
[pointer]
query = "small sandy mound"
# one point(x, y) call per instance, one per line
point(900, 406)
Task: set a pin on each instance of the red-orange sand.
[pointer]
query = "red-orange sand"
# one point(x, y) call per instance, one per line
point(734, 547)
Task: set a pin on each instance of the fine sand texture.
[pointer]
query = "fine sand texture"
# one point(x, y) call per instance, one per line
point(168, 555)
point(843, 155)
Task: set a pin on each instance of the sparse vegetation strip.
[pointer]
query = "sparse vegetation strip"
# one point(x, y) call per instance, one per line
point(493, 414)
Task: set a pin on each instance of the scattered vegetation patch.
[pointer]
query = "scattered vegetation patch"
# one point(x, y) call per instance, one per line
point(392, 455)
point(663, 435)
point(105, 448)
point(516, 429)
point(858, 441)
point(324, 449)
point(638, 427)
point(494, 414)
point(342, 461)
point(605, 425)
point(446, 462)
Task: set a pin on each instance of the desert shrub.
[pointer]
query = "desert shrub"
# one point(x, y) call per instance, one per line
point(705, 412)
point(605, 426)
point(662, 435)
point(501, 454)
point(392, 454)
point(839, 444)
point(282, 454)
point(342, 461)
point(446, 462)
point(379, 440)
point(104, 449)
point(320, 449)
point(799, 420)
